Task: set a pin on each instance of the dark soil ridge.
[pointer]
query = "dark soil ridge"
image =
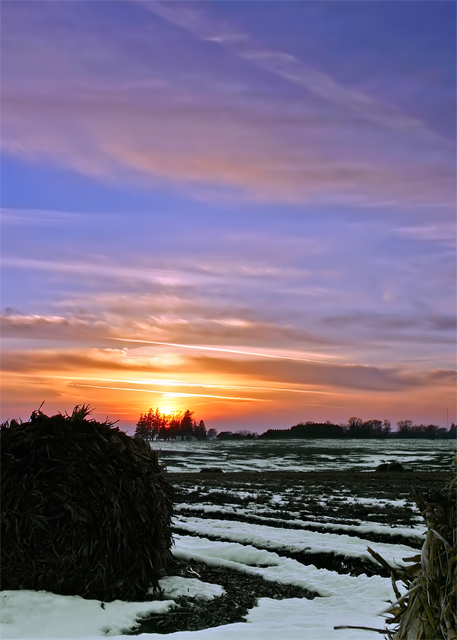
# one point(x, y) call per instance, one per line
point(336, 511)
point(331, 560)
point(414, 542)
point(373, 479)
point(242, 593)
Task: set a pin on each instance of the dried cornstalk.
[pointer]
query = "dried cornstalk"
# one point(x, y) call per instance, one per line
point(428, 610)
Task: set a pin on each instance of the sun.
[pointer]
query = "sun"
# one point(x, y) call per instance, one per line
point(165, 409)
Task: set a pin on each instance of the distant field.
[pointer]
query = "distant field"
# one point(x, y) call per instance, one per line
point(306, 455)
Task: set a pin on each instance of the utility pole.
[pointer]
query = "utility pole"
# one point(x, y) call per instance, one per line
point(447, 419)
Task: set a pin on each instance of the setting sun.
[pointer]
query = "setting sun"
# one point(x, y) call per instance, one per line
point(167, 410)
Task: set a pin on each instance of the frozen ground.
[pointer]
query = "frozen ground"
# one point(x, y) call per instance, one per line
point(302, 531)
point(344, 600)
point(306, 455)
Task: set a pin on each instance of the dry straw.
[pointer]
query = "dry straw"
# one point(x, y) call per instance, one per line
point(428, 609)
point(86, 510)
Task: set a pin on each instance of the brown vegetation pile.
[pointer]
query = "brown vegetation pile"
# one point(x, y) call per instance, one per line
point(428, 610)
point(86, 509)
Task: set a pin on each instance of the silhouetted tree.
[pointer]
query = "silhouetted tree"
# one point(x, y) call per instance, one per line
point(174, 426)
point(187, 423)
point(355, 427)
point(200, 431)
point(386, 428)
point(431, 431)
point(243, 434)
point(149, 425)
point(405, 428)
point(373, 428)
point(142, 430)
point(276, 434)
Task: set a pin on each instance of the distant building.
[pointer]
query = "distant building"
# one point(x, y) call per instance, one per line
point(224, 435)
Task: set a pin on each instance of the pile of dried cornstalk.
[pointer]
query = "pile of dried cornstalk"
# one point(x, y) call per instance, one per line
point(86, 510)
point(428, 609)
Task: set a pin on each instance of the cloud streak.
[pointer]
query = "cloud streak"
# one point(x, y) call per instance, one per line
point(169, 395)
point(213, 147)
point(286, 66)
point(211, 142)
point(331, 377)
point(221, 349)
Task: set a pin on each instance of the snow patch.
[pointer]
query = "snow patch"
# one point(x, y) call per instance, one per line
point(175, 586)
point(295, 539)
point(40, 614)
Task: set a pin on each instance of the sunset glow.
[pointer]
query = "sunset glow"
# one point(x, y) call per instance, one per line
point(245, 209)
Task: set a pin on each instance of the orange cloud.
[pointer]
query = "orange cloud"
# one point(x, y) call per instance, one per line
point(282, 389)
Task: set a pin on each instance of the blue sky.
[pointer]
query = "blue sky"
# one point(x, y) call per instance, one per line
point(268, 185)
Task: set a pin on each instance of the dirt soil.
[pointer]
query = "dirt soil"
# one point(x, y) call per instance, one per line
point(374, 484)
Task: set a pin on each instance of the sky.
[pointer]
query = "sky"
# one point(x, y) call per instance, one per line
point(246, 209)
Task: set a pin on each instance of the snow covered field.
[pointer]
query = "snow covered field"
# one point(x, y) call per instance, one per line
point(284, 529)
point(345, 600)
point(305, 455)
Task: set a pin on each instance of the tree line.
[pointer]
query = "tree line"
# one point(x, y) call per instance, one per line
point(178, 425)
point(357, 428)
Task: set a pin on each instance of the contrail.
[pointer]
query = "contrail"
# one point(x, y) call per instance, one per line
point(181, 383)
point(202, 348)
point(168, 395)
point(233, 387)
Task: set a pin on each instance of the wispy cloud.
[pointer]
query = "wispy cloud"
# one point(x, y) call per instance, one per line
point(56, 361)
point(443, 233)
point(397, 323)
point(335, 377)
point(211, 142)
point(52, 327)
point(9, 216)
point(96, 268)
point(285, 65)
